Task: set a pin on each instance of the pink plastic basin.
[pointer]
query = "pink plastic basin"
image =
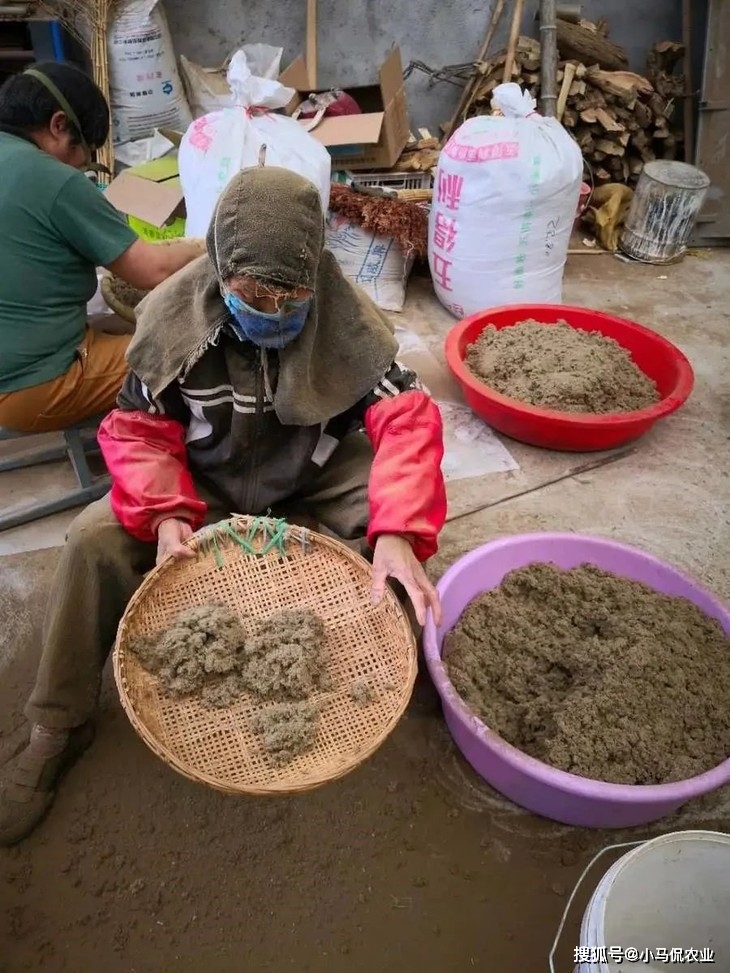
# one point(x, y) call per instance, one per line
point(529, 782)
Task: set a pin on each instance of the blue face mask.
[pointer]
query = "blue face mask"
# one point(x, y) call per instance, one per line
point(275, 330)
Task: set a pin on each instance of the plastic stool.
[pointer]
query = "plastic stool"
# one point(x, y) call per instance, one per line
point(77, 448)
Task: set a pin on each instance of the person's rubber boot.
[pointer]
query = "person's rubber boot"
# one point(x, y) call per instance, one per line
point(28, 784)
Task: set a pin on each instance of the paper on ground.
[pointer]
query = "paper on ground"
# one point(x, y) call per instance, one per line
point(470, 446)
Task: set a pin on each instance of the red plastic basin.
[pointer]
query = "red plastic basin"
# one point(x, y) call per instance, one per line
point(572, 431)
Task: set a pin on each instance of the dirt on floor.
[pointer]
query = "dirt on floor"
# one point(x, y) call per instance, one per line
point(409, 863)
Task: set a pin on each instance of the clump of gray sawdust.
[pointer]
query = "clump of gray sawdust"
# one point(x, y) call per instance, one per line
point(202, 651)
point(363, 693)
point(222, 693)
point(210, 653)
point(287, 730)
point(286, 663)
point(285, 659)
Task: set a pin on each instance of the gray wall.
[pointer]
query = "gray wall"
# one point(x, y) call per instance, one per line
point(354, 35)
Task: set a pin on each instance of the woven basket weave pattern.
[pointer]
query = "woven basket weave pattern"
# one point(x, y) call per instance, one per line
point(218, 747)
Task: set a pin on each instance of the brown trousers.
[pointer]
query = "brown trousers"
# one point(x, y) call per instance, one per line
point(102, 566)
point(89, 388)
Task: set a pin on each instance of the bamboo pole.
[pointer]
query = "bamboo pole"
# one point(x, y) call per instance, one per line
point(549, 59)
point(688, 120)
point(100, 65)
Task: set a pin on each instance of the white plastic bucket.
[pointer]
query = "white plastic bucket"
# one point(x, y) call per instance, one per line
point(663, 906)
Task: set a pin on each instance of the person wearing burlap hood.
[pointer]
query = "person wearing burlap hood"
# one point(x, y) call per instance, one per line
point(260, 377)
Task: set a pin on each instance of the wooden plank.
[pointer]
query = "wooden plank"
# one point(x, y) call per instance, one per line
point(513, 35)
point(312, 43)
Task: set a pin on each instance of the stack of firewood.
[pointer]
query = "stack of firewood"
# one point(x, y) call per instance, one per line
point(619, 119)
point(419, 155)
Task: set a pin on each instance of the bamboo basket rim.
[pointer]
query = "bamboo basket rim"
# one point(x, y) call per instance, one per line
point(296, 538)
point(113, 302)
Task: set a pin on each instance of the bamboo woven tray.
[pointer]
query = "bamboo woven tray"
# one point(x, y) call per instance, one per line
point(113, 289)
point(217, 747)
point(110, 290)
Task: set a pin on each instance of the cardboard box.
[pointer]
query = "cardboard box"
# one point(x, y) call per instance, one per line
point(373, 140)
point(151, 197)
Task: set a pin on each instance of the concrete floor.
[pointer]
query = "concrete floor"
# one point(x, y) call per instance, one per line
point(428, 868)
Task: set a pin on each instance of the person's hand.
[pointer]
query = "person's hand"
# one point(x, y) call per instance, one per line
point(171, 537)
point(394, 558)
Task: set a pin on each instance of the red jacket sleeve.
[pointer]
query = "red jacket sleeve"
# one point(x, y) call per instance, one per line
point(147, 460)
point(406, 488)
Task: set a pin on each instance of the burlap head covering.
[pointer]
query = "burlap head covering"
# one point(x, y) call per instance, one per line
point(269, 225)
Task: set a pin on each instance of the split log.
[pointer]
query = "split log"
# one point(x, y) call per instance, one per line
point(647, 154)
point(593, 98)
point(657, 104)
point(622, 85)
point(610, 148)
point(635, 166)
point(528, 47)
point(529, 63)
point(607, 121)
point(661, 62)
point(585, 142)
point(643, 114)
point(568, 77)
point(419, 160)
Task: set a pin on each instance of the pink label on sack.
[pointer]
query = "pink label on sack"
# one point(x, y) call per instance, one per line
point(199, 137)
point(441, 271)
point(448, 189)
point(444, 232)
point(482, 153)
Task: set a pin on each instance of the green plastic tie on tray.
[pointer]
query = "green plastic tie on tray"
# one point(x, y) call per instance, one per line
point(274, 531)
point(217, 553)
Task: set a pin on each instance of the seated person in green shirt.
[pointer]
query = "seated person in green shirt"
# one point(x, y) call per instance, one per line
point(56, 228)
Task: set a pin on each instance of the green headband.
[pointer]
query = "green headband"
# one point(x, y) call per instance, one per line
point(70, 115)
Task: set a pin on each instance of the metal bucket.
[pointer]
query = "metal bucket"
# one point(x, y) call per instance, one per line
point(667, 200)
